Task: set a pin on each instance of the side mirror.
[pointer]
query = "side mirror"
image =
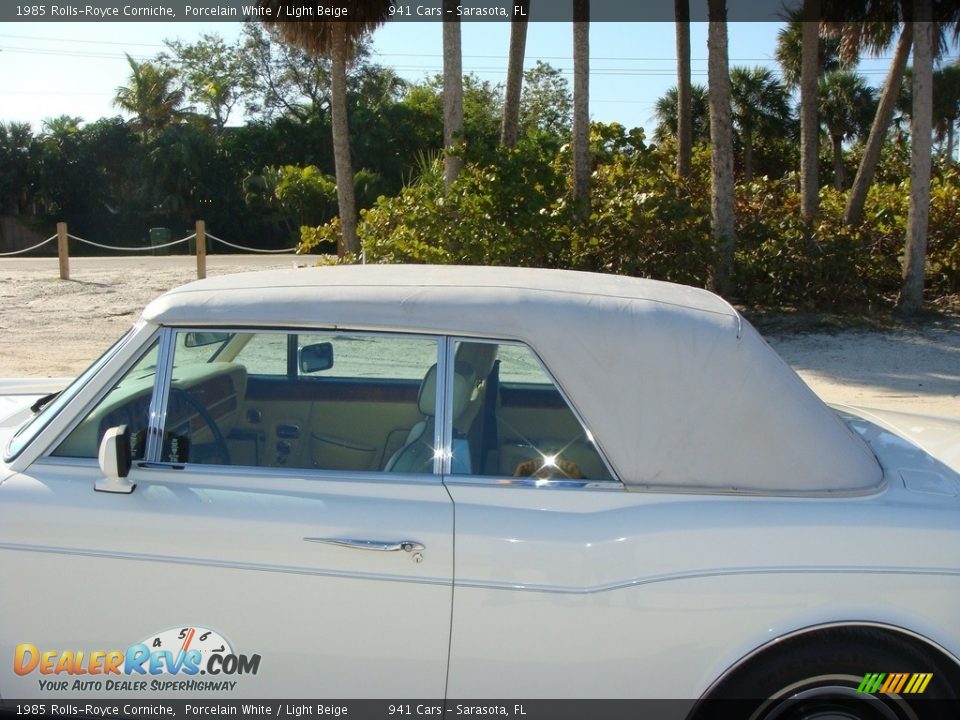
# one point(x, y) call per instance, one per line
point(316, 357)
point(115, 461)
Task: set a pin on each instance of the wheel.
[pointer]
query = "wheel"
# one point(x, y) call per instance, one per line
point(219, 441)
point(820, 677)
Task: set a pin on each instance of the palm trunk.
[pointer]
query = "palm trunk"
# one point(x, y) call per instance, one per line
point(809, 121)
point(681, 11)
point(581, 107)
point(346, 201)
point(721, 141)
point(950, 131)
point(452, 96)
point(510, 131)
point(839, 173)
point(748, 156)
point(921, 129)
point(878, 131)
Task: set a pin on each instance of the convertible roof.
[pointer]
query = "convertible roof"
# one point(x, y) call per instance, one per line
point(677, 388)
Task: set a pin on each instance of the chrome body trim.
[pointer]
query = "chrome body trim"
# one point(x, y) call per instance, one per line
point(698, 574)
point(225, 564)
point(443, 436)
point(531, 482)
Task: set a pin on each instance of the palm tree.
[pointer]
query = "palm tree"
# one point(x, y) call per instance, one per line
point(863, 33)
point(804, 54)
point(759, 106)
point(151, 96)
point(581, 107)
point(721, 142)
point(874, 29)
point(809, 121)
point(510, 131)
point(921, 123)
point(789, 51)
point(16, 139)
point(336, 40)
point(946, 105)
point(453, 137)
point(62, 126)
point(668, 120)
point(847, 105)
point(684, 108)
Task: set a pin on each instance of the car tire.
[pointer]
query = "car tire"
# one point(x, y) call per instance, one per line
point(818, 677)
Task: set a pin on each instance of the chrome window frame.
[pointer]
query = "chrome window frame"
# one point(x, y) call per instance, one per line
point(161, 398)
point(614, 483)
point(446, 345)
point(161, 393)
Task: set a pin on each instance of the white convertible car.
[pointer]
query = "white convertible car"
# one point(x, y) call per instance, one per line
point(441, 482)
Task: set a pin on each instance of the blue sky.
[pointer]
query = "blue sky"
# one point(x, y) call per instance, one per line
point(50, 69)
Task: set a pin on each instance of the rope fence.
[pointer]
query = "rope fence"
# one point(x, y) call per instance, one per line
point(200, 236)
point(250, 249)
point(149, 248)
point(32, 247)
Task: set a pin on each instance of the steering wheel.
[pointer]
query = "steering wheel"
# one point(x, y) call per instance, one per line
point(219, 441)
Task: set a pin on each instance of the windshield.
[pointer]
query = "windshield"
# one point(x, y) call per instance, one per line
point(39, 421)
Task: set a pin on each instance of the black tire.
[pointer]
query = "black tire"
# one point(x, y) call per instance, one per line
point(818, 678)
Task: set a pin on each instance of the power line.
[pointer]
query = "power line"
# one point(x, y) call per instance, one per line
point(71, 53)
point(478, 70)
point(72, 40)
point(438, 55)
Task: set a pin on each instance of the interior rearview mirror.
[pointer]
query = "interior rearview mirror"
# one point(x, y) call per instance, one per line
point(199, 339)
point(115, 461)
point(316, 357)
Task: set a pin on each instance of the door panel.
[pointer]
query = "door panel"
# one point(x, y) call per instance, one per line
point(225, 550)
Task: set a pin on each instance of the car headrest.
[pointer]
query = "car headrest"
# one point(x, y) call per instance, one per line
point(464, 379)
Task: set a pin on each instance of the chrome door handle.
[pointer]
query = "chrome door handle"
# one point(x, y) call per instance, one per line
point(379, 545)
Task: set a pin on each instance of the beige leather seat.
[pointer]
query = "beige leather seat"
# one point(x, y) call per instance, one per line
point(416, 455)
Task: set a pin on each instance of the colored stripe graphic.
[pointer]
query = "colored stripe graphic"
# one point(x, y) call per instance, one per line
point(871, 682)
point(895, 683)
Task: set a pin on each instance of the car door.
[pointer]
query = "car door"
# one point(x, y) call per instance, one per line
point(540, 522)
point(295, 581)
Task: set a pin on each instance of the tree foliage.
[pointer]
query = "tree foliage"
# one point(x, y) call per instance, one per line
point(152, 95)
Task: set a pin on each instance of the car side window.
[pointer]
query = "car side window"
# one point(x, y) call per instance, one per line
point(127, 403)
point(324, 400)
point(511, 420)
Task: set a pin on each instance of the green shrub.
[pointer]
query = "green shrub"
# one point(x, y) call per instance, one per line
point(515, 210)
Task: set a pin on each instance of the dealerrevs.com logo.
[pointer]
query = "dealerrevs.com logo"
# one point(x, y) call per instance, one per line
point(168, 661)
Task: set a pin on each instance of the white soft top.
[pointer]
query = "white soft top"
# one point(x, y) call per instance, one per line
point(678, 389)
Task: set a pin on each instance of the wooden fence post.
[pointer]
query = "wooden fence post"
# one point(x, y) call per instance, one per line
point(63, 250)
point(201, 249)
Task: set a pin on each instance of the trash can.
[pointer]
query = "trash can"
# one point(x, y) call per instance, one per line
point(160, 236)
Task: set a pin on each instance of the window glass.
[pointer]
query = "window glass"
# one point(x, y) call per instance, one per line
point(320, 400)
point(264, 354)
point(510, 419)
point(357, 355)
point(56, 403)
point(127, 403)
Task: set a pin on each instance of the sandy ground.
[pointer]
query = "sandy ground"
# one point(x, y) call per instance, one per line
point(52, 328)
